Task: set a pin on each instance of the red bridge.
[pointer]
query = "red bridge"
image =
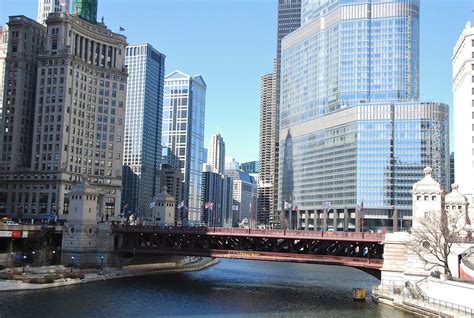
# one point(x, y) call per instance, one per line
point(360, 250)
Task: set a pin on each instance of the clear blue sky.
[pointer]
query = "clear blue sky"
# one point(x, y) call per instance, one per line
point(231, 43)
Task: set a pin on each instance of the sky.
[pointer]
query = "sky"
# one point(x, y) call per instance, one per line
point(232, 43)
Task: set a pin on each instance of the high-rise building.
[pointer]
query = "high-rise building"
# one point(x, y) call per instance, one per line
point(250, 167)
point(244, 194)
point(231, 164)
point(142, 138)
point(68, 126)
point(267, 185)
point(85, 9)
point(3, 56)
point(352, 131)
point(45, 7)
point(183, 133)
point(463, 97)
point(289, 19)
point(216, 186)
point(216, 153)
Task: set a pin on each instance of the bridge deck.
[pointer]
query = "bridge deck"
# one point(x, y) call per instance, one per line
point(268, 233)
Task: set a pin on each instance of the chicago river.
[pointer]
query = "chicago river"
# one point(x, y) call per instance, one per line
point(230, 288)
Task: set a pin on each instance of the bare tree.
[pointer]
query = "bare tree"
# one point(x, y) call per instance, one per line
point(433, 236)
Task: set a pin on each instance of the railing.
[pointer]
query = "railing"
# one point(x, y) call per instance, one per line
point(397, 289)
point(260, 232)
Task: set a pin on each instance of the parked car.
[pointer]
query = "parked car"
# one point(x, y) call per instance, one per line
point(10, 222)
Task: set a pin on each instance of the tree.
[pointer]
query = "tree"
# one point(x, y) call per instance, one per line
point(432, 239)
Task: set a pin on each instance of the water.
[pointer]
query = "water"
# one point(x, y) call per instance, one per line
point(232, 288)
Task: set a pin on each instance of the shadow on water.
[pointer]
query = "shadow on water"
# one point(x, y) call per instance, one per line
point(231, 288)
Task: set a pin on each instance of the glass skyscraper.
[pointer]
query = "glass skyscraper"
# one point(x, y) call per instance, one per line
point(183, 133)
point(352, 131)
point(142, 145)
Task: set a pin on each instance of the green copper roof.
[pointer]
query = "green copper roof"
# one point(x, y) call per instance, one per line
point(86, 9)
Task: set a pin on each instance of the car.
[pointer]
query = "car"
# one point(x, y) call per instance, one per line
point(10, 222)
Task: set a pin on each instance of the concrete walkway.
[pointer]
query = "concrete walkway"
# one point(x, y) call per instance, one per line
point(195, 264)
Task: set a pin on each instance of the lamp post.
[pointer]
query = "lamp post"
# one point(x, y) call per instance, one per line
point(24, 263)
point(101, 263)
point(54, 257)
point(72, 262)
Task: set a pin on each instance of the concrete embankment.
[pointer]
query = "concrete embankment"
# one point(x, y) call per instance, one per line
point(188, 265)
point(429, 297)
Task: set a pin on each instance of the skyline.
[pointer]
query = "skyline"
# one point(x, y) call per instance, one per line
point(232, 56)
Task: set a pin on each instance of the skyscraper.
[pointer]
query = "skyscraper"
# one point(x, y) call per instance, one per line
point(183, 133)
point(216, 153)
point(70, 124)
point(267, 152)
point(289, 19)
point(142, 144)
point(352, 131)
point(244, 194)
point(3, 56)
point(45, 7)
point(463, 90)
point(85, 9)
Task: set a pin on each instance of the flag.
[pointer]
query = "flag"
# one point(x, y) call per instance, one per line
point(181, 205)
point(392, 207)
point(209, 205)
point(125, 205)
point(121, 29)
point(153, 203)
point(235, 208)
point(295, 208)
point(287, 205)
point(361, 205)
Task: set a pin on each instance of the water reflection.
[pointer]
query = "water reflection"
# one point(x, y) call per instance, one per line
point(231, 288)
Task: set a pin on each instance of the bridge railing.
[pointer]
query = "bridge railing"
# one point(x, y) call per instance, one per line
point(249, 231)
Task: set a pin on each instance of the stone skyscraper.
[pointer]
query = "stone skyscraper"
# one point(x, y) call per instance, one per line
point(463, 90)
point(216, 153)
point(142, 139)
point(267, 153)
point(45, 7)
point(68, 127)
point(183, 133)
point(351, 128)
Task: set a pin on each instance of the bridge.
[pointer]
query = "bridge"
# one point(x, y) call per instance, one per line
point(354, 249)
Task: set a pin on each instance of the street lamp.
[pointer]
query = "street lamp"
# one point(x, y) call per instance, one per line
point(24, 263)
point(101, 263)
point(72, 262)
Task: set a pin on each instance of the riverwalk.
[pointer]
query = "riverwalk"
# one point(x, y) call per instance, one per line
point(188, 264)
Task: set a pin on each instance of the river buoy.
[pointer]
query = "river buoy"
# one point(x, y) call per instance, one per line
point(358, 294)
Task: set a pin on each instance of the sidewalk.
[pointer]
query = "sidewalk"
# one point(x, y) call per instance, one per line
point(110, 273)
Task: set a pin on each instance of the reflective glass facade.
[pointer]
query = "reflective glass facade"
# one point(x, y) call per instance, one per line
point(183, 133)
point(351, 126)
point(142, 146)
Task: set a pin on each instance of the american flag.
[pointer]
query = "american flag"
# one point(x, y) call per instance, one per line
point(209, 205)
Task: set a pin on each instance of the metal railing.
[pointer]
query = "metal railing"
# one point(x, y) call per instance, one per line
point(261, 232)
point(397, 289)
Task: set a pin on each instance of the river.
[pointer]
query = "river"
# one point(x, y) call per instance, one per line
point(232, 288)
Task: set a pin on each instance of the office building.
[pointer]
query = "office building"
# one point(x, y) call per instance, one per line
point(244, 192)
point(231, 164)
point(142, 138)
point(250, 167)
point(289, 19)
point(463, 97)
point(45, 7)
point(352, 131)
point(68, 128)
point(3, 56)
point(216, 153)
point(183, 133)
